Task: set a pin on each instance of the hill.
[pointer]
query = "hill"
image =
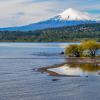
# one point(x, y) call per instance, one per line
point(61, 34)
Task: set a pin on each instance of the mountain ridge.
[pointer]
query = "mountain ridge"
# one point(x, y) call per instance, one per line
point(69, 17)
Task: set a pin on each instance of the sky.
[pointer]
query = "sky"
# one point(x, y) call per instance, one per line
point(22, 12)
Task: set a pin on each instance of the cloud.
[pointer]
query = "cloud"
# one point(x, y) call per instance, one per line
point(21, 12)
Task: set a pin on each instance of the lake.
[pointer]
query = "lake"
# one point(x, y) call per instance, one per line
point(20, 80)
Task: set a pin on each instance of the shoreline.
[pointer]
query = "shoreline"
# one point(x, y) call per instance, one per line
point(82, 60)
point(86, 65)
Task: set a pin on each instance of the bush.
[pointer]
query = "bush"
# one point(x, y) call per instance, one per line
point(74, 50)
point(89, 47)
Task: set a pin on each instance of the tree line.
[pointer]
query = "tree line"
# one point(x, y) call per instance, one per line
point(61, 34)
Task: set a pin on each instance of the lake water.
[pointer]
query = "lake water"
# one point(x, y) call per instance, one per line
point(19, 79)
point(73, 70)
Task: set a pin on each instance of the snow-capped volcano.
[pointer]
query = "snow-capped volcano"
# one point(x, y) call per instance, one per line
point(71, 14)
point(69, 17)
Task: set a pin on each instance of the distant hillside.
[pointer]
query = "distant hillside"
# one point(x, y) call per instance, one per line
point(62, 34)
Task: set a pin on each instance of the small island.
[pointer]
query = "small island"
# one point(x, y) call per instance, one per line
point(89, 48)
point(85, 52)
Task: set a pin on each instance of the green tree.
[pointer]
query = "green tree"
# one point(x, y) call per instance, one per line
point(74, 50)
point(92, 46)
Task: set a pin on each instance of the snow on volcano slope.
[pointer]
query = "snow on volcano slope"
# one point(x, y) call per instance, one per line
point(71, 14)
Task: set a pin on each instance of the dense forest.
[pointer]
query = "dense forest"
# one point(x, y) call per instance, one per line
point(62, 34)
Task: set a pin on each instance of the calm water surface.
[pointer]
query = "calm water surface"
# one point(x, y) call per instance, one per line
point(73, 70)
point(19, 81)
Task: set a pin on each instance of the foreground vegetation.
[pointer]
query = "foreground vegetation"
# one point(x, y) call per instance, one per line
point(84, 49)
point(63, 34)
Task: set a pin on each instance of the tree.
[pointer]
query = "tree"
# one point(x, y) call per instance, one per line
point(92, 46)
point(74, 50)
point(89, 47)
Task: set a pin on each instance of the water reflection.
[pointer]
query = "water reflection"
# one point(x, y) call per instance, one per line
point(72, 70)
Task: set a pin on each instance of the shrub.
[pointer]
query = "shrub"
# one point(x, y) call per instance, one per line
point(74, 50)
point(89, 47)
